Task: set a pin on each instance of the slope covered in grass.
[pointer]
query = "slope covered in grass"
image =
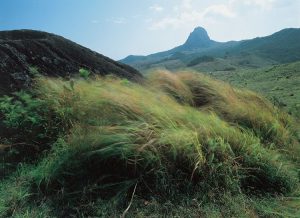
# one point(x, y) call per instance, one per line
point(279, 83)
point(177, 144)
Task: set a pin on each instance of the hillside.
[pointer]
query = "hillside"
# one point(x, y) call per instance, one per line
point(178, 145)
point(25, 52)
point(280, 47)
point(279, 83)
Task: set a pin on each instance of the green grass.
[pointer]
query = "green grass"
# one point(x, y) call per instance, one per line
point(280, 84)
point(178, 145)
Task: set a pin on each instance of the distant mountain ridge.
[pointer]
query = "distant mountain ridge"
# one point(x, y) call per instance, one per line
point(280, 47)
point(198, 39)
point(52, 55)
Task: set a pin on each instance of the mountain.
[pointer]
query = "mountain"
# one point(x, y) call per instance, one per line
point(280, 47)
point(51, 55)
point(197, 40)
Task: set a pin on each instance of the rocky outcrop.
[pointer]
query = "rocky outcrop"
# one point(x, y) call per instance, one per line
point(23, 51)
point(198, 39)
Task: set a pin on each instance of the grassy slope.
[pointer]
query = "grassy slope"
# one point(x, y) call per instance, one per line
point(281, 82)
point(191, 145)
point(236, 62)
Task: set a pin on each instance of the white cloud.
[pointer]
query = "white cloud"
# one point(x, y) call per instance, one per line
point(94, 21)
point(156, 8)
point(187, 14)
point(263, 4)
point(186, 4)
point(220, 9)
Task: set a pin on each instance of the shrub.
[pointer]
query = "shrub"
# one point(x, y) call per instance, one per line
point(84, 73)
point(34, 71)
point(28, 126)
point(22, 111)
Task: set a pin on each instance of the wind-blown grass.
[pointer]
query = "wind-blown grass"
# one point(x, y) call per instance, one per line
point(176, 134)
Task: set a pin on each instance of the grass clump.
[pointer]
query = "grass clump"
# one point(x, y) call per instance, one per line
point(177, 135)
point(242, 107)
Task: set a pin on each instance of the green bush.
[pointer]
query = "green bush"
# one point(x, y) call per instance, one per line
point(84, 73)
point(34, 71)
point(28, 126)
point(22, 111)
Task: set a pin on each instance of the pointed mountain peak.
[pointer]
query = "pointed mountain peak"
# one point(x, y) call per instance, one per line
point(198, 39)
point(200, 32)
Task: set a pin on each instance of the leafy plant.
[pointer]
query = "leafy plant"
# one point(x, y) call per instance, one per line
point(28, 120)
point(22, 111)
point(34, 71)
point(84, 73)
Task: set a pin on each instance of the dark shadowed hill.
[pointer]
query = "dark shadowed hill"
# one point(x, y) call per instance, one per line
point(52, 55)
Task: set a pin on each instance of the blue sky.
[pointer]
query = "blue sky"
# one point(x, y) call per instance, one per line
point(117, 28)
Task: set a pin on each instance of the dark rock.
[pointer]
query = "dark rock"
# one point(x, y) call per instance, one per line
point(53, 55)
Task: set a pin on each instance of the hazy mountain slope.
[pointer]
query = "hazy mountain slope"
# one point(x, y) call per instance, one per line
point(197, 40)
point(280, 47)
point(283, 46)
point(53, 56)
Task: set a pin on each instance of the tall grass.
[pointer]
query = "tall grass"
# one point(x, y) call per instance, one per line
point(177, 133)
point(147, 131)
point(242, 107)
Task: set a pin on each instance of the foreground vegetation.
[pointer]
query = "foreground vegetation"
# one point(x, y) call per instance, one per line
point(177, 145)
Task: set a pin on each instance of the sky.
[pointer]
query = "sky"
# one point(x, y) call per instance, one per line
point(118, 28)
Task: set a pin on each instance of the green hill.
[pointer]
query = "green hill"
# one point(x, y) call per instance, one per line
point(181, 145)
point(279, 83)
point(278, 48)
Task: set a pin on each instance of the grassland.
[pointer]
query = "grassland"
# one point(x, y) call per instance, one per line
point(177, 145)
point(279, 83)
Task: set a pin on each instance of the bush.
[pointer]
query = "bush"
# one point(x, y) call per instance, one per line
point(22, 111)
point(84, 73)
point(28, 126)
point(34, 71)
